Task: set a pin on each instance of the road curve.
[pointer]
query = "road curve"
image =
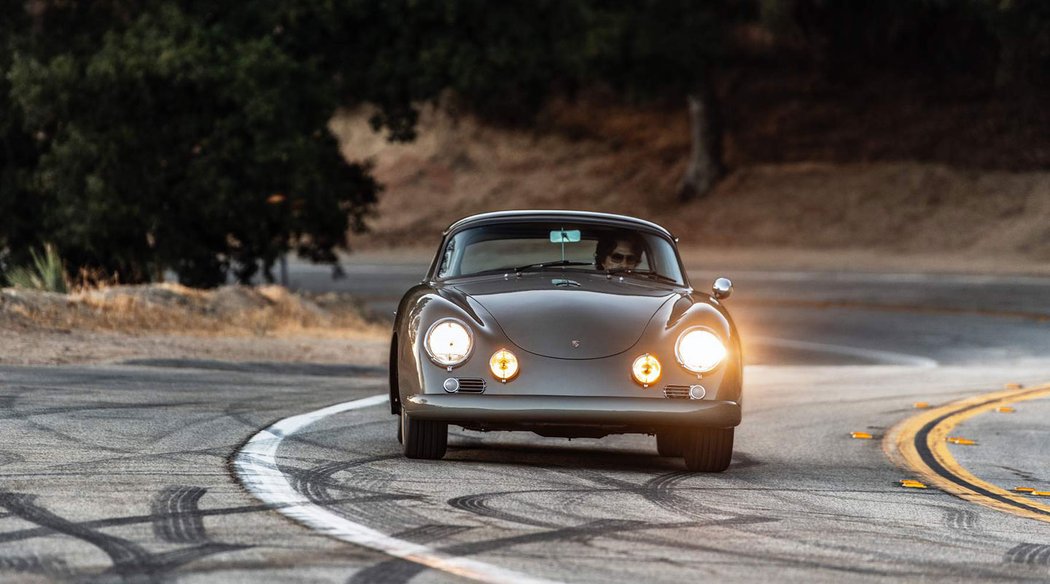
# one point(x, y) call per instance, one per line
point(131, 472)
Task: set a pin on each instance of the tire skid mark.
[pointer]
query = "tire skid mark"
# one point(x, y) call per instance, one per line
point(1022, 474)
point(7, 458)
point(796, 508)
point(130, 561)
point(255, 466)
point(79, 441)
point(764, 557)
point(398, 571)
point(318, 482)
point(184, 427)
point(432, 532)
point(1032, 554)
point(46, 565)
point(176, 515)
point(239, 414)
point(122, 552)
point(373, 498)
point(88, 407)
point(221, 452)
point(663, 491)
point(961, 519)
point(33, 532)
point(478, 505)
point(660, 490)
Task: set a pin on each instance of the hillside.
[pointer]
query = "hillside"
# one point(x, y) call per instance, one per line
point(919, 183)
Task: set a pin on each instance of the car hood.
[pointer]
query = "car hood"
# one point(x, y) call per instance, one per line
point(571, 315)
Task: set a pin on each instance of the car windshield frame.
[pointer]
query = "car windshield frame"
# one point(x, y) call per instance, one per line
point(543, 223)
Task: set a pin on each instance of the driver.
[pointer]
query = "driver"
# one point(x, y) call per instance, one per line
point(618, 252)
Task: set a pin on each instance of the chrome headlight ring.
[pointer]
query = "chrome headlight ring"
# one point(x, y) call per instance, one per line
point(457, 333)
point(699, 350)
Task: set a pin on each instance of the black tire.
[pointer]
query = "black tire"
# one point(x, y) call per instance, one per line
point(670, 443)
point(708, 449)
point(423, 439)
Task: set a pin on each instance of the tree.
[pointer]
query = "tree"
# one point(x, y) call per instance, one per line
point(189, 136)
point(19, 214)
point(667, 48)
point(1022, 28)
point(501, 60)
point(505, 60)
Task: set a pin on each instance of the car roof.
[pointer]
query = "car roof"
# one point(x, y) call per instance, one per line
point(554, 215)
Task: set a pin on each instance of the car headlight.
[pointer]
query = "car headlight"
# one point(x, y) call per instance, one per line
point(699, 350)
point(504, 365)
point(448, 342)
point(646, 369)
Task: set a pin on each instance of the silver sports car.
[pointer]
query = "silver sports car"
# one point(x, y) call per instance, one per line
point(568, 324)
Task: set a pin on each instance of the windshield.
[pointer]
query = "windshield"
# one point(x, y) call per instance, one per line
point(559, 246)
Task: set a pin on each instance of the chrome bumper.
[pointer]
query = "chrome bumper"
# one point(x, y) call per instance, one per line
point(599, 411)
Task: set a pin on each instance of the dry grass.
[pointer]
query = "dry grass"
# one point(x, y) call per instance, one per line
point(170, 308)
point(627, 160)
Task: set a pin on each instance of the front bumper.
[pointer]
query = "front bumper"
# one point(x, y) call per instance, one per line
point(572, 410)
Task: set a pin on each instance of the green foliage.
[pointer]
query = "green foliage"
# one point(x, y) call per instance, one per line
point(46, 272)
point(170, 135)
point(500, 59)
point(656, 48)
point(190, 135)
point(1001, 41)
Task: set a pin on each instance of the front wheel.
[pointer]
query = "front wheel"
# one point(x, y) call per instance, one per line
point(708, 449)
point(670, 443)
point(423, 439)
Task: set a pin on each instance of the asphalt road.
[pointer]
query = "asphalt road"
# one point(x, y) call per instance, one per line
point(141, 472)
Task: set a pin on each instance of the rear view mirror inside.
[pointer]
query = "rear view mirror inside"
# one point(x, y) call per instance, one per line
point(565, 236)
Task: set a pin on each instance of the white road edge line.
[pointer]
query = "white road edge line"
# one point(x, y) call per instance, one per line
point(887, 357)
point(255, 465)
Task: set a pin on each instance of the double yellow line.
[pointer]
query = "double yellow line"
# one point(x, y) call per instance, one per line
point(920, 444)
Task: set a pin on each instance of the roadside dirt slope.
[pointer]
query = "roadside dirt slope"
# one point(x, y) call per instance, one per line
point(627, 160)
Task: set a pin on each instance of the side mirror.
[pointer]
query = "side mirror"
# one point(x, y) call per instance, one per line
point(722, 288)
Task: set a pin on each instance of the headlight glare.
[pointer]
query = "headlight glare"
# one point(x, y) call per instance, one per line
point(449, 342)
point(699, 350)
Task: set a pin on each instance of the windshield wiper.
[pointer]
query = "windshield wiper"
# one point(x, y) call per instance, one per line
point(660, 277)
point(649, 275)
point(550, 264)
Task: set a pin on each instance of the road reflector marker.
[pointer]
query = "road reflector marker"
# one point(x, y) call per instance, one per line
point(961, 441)
point(1024, 490)
point(912, 484)
point(1005, 410)
point(1014, 386)
point(860, 435)
point(921, 405)
point(919, 444)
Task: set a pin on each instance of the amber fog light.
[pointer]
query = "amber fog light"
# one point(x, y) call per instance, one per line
point(504, 365)
point(646, 369)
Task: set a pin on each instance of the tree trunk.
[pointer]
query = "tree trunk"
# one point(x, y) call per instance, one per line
point(705, 160)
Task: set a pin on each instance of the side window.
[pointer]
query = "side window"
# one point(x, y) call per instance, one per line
point(446, 260)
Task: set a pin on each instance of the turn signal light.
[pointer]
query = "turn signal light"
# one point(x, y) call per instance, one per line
point(504, 365)
point(646, 369)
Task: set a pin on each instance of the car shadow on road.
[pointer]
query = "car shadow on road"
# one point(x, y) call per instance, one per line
point(561, 455)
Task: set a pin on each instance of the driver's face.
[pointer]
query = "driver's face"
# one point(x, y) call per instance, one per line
point(622, 257)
